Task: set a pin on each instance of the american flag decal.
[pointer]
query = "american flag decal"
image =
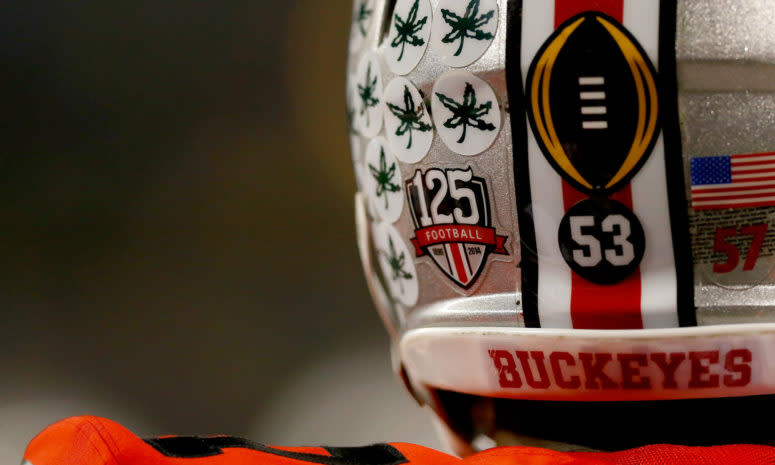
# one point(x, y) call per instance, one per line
point(733, 181)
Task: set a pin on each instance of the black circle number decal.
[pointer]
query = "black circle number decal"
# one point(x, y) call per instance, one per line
point(601, 240)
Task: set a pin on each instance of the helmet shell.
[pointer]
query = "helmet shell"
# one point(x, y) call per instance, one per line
point(568, 200)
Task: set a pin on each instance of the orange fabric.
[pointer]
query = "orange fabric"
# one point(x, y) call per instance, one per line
point(98, 441)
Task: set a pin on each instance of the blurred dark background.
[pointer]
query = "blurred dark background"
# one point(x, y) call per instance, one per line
point(176, 232)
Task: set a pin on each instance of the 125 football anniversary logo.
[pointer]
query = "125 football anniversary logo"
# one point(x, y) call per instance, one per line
point(451, 212)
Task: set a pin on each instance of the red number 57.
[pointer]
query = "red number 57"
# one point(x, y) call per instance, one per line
point(720, 244)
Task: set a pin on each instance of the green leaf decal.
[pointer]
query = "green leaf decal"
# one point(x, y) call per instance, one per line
point(384, 176)
point(407, 29)
point(469, 26)
point(366, 93)
point(397, 263)
point(467, 113)
point(361, 17)
point(410, 116)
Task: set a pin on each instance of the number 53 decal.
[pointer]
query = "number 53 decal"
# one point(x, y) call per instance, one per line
point(721, 245)
point(601, 240)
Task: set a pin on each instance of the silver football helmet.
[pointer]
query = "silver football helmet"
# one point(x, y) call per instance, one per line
point(564, 213)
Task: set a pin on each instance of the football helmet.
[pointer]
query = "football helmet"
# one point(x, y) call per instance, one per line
point(565, 214)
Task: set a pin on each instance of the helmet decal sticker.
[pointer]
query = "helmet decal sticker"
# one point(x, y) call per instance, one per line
point(396, 264)
point(368, 81)
point(463, 30)
point(592, 103)
point(410, 32)
point(466, 112)
point(408, 125)
point(602, 168)
point(734, 248)
point(453, 224)
point(733, 181)
point(601, 240)
point(363, 13)
point(383, 182)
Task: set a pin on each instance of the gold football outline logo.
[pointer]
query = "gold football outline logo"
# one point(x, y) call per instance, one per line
point(539, 105)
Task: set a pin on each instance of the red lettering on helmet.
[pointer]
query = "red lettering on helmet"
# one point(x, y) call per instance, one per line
point(543, 380)
point(701, 376)
point(738, 361)
point(507, 368)
point(594, 366)
point(574, 382)
point(668, 368)
point(631, 377)
point(529, 370)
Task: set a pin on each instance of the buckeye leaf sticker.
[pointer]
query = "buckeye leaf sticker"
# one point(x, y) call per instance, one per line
point(466, 112)
point(407, 123)
point(463, 30)
point(409, 35)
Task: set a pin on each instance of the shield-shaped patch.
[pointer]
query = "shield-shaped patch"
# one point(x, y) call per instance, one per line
point(453, 223)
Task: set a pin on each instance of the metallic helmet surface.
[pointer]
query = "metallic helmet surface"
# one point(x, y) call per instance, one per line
point(565, 213)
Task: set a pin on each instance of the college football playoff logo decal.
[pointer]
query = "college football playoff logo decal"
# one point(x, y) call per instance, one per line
point(453, 222)
point(593, 104)
point(593, 107)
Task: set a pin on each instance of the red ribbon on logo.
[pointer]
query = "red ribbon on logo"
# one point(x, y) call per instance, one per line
point(458, 233)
